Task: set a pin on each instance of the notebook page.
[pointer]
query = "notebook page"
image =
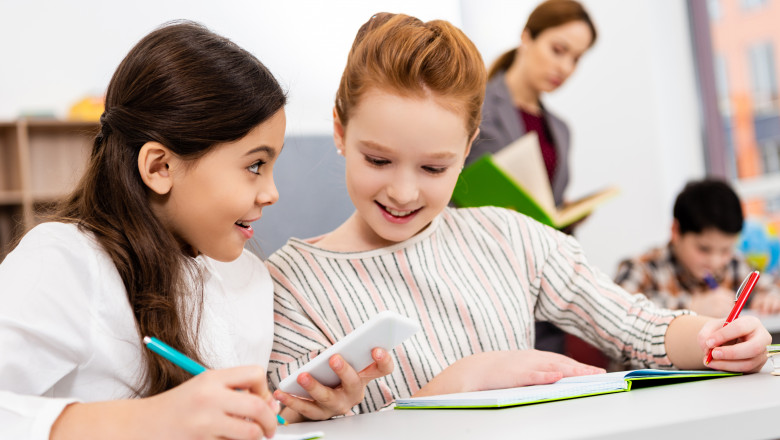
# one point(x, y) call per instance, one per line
point(617, 376)
point(513, 396)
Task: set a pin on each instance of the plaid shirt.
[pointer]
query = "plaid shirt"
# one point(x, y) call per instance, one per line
point(660, 276)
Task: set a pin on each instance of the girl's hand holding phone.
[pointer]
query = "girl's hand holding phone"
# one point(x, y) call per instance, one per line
point(328, 402)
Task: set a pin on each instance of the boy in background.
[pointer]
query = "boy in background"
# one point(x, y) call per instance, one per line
point(698, 269)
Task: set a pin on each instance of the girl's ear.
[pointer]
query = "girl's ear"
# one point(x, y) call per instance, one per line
point(471, 142)
point(338, 132)
point(154, 166)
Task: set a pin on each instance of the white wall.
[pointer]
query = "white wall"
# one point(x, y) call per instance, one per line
point(631, 104)
point(55, 52)
point(639, 123)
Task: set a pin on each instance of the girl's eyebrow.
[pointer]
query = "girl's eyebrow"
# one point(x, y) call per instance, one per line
point(264, 149)
point(379, 147)
point(383, 149)
point(442, 155)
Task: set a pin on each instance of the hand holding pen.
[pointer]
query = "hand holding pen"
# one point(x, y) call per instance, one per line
point(246, 419)
point(742, 295)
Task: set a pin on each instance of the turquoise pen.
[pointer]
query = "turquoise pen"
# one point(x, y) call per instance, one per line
point(180, 360)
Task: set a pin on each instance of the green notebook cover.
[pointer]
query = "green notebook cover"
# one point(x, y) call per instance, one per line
point(566, 388)
point(483, 183)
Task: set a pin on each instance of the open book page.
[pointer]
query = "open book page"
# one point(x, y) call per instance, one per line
point(566, 388)
point(522, 161)
point(577, 209)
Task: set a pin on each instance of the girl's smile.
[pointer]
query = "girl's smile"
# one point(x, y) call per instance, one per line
point(245, 227)
point(398, 216)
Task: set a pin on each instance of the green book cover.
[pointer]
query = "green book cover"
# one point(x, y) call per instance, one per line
point(483, 183)
point(566, 388)
point(516, 178)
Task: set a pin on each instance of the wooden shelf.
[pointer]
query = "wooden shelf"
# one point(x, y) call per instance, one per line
point(41, 160)
point(10, 198)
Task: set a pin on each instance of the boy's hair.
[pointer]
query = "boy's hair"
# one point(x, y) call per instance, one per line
point(187, 89)
point(400, 54)
point(708, 204)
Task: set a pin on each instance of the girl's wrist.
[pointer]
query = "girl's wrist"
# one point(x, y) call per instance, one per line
point(118, 419)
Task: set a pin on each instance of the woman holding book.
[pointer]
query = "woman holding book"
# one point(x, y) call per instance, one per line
point(556, 35)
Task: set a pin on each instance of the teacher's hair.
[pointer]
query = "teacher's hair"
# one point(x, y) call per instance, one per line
point(188, 89)
point(546, 15)
point(400, 54)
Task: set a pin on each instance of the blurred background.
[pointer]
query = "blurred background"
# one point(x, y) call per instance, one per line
point(672, 90)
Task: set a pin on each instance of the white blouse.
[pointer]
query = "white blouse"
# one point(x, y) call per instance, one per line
point(67, 332)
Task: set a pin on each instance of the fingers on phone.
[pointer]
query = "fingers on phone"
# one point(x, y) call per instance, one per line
point(350, 380)
point(384, 362)
point(308, 409)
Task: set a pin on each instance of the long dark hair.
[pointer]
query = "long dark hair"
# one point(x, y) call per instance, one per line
point(188, 89)
point(548, 14)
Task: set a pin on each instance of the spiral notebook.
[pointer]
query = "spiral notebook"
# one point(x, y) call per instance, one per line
point(566, 388)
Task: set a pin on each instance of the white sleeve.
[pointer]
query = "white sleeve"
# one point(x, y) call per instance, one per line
point(28, 417)
point(45, 327)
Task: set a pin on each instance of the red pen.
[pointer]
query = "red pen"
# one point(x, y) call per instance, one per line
point(739, 302)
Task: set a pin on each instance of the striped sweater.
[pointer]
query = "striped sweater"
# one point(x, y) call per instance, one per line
point(476, 279)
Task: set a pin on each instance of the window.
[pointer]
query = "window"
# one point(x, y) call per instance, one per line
point(770, 155)
point(734, 46)
point(722, 85)
point(763, 81)
point(713, 8)
point(752, 4)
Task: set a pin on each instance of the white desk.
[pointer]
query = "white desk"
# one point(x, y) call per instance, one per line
point(742, 407)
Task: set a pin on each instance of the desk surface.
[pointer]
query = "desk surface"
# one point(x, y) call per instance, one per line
point(745, 407)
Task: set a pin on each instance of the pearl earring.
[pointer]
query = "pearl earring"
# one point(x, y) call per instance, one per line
point(339, 152)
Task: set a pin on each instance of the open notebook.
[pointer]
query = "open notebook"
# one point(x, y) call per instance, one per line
point(280, 435)
point(566, 388)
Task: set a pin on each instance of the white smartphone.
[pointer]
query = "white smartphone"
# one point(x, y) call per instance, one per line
point(385, 330)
